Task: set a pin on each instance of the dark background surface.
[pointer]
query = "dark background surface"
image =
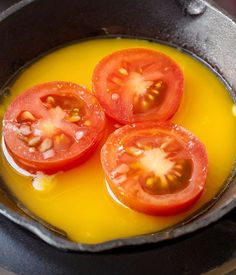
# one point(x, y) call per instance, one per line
point(23, 253)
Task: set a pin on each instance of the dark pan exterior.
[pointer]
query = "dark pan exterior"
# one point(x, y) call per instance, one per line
point(33, 27)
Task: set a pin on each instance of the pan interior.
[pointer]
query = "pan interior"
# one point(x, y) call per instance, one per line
point(82, 207)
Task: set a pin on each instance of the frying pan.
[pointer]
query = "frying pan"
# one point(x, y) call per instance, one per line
point(33, 27)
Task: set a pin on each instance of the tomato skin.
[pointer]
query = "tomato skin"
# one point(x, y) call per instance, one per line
point(162, 205)
point(76, 151)
point(121, 107)
point(57, 166)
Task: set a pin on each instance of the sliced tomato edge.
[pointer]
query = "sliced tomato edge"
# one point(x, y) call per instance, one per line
point(56, 166)
point(154, 210)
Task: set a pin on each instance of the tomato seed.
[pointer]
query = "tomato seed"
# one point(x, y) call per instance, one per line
point(155, 92)
point(179, 167)
point(58, 138)
point(27, 116)
point(123, 71)
point(151, 97)
point(117, 81)
point(79, 135)
point(150, 181)
point(171, 177)
point(122, 169)
point(139, 144)
point(50, 100)
point(144, 103)
point(158, 84)
point(177, 174)
point(143, 146)
point(115, 96)
point(45, 145)
point(163, 182)
point(120, 179)
point(87, 123)
point(134, 151)
point(74, 118)
point(164, 145)
point(25, 130)
point(31, 149)
point(34, 141)
point(49, 154)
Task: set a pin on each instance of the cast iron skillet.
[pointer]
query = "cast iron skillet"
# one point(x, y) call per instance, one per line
point(33, 27)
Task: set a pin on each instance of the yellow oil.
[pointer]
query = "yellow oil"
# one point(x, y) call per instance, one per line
point(77, 201)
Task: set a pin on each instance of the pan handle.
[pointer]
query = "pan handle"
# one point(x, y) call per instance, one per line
point(193, 7)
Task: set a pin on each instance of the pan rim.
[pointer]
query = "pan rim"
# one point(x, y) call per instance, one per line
point(64, 244)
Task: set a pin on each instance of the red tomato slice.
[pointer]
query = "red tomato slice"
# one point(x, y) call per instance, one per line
point(138, 85)
point(52, 126)
point(155, 168)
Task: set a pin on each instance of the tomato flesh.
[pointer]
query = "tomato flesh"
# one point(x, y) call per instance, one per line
point(155, 168)
point(52, 126)
point(138, 85)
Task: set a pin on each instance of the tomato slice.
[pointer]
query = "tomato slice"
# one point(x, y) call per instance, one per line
point(138, 85)
point(155, 168)
point(52, 126)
